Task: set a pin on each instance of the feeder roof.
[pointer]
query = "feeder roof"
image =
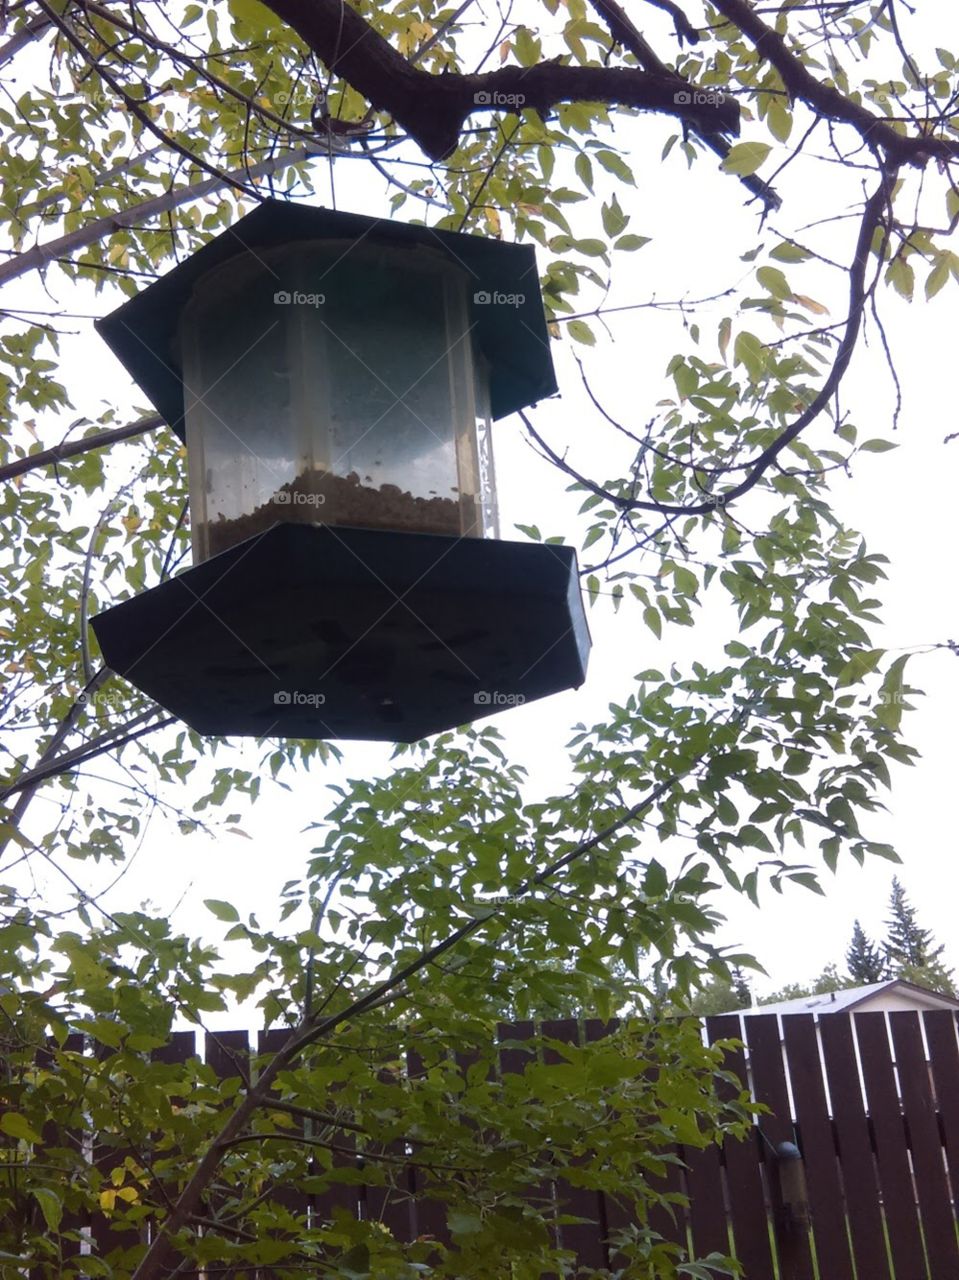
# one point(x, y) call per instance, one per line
point(512, 336)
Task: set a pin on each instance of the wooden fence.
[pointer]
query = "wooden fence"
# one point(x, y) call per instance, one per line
point(870, 1100)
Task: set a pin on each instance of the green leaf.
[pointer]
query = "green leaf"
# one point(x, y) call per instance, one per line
point(877, 446)
point(787, 252)
point(629, 243)
point(584, 170)
point(616, 165)
point(780, 120)
point(773, 280)
point(746, 157)
point(750, 352)
point(655, 881)
point(937, 277)
point(222, 910)
point(580, 331)
point(613, 218)
point(859, 666)
point(18, 1126)
point(51, 1206)
point(653, 621)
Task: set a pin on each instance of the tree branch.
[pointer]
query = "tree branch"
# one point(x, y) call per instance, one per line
point(625, 32)
point(116, 737)
point(60, 452)
point(872, 219)
point(433, 108)
point(827, 101)
point(136, 108)
point(155, 1262)
point(67, 245)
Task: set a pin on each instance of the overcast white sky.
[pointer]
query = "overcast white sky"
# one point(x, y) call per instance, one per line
point(903, 502)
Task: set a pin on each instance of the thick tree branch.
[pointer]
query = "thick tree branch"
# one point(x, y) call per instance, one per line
point(60, 452)
point(827, 101)
point(625, 32)
point(433, 108)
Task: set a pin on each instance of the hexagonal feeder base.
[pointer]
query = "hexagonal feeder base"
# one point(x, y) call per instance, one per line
point(317, 631)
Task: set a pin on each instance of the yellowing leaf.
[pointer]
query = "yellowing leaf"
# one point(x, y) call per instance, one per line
point(725, 329)
point(811, 304)
point(108, 1199)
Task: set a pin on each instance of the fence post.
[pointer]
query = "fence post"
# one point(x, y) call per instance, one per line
point(791, 1208)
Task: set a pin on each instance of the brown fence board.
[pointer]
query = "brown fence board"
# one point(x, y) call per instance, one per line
point(179, 1048)
point(881, 1154)
point(54, 1135)
point(428, 1215)
point(769, 1088)
point(889, 1135)
point(389, 1201)
point(227, 1052)
point(707, 1200)
point(855, 1147)
point(747, 1198)
point(290, 1198)
point(585, 1238)
point(935, 1208)
point(941, 1031)
point(818, 1145)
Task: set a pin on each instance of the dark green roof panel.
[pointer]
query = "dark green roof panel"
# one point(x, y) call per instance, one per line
point(513, 338)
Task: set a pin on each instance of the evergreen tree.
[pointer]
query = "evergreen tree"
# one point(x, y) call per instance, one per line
point(906, 942)
point(911, 952)
point(741, 989)
point(864, 959)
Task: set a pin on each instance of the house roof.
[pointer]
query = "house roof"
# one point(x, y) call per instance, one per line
point(859, 998)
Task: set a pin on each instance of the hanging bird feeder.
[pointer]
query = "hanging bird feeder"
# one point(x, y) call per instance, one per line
point(333, 378)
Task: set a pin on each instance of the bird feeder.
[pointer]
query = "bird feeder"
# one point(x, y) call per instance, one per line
point(334, 378)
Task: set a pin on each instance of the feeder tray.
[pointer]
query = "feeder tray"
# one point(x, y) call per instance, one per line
point(320, 631)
